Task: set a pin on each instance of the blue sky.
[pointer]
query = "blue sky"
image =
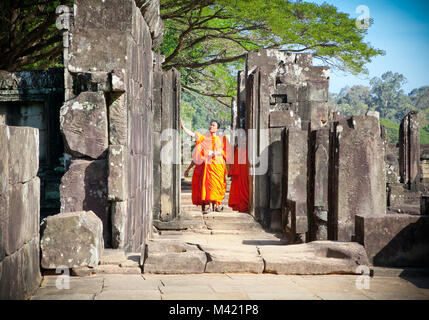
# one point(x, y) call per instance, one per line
point(401, 29)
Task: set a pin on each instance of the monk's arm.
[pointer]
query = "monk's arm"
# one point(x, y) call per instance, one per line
point(189, 168)
point(187, 131)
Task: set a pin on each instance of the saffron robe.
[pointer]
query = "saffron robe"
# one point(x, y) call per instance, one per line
point(239, 191)
point(209, 177)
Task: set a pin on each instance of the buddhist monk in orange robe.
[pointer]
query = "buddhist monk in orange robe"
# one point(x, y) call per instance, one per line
point(239, 191)
point(209, 177)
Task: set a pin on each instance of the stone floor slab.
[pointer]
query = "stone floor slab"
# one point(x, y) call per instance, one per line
point(129, 295)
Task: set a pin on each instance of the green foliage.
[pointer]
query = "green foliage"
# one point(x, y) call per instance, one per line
point(386, 96)
point(392, 130)
point(207, 40)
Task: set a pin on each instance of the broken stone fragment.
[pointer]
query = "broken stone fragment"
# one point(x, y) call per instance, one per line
point(73, 239)
point(170, 257)
point(83, 188)
point(83, 122)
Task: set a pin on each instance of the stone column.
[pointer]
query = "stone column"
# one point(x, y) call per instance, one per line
point(19, 212)
point(318, 184)
point(167, 90)
point(357, 174)
point(108, 122)
point(409, 150)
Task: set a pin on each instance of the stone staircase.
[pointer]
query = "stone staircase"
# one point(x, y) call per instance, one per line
point(191, 219)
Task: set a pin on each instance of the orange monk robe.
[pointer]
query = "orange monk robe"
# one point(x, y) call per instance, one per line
point(208, 179)
point(239, 191)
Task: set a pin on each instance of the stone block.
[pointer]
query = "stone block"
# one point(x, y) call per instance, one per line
point(358, 181)
point(92, 81)
point(276, 150)
point(396, 194)
point(276, 181)
point(19, 272)
point(83, 188)
point(83, 122)
point(119, 218)
point(98, 50)
point(287, 93)
point(394, 240)
point(118, 119)
point(286, 118)
point(106, 14)
point(117, 175)
point(295, 162)
point(73, 239)
point(4, 159)
point(171, 257)
point(304, 59)
point(23, 153)
point(314, 91)
point(118, 80)
point(223, 259)
point(11, 280)
point(317, 257)
point(24, 212)
point(4, 224)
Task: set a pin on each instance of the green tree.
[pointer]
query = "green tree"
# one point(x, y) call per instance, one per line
point(207, 40)
point(388, 97)
point(29, 38)
point(353, 100)
point(420, 97)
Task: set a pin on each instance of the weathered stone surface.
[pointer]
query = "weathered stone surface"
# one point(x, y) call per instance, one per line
point(73, 239)
point(83, 123)
point(222, 259)
point(150, 11)
point(296, 145)
point(107, 14)
point(395, 240)
point(286, 118)
point(19, 272)
point(317, 257)
point(83, 188)
point(314, 91)
point(98, 49)
point(318, 183)
point(119, 215)
point(24, 213)
point(92, 81)
point(118, 133)
point(358, 179)
point(173, 257)
point(111, 269)
point(23, 153)
point(409, 150)
point(4, 159)
point(117, 178)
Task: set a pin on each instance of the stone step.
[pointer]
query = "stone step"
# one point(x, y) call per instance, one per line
point(198, 208)
point(233, 225)
point(168, 256)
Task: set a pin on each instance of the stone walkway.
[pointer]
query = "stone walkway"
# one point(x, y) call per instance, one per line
point(386, 284)
point(232, 242)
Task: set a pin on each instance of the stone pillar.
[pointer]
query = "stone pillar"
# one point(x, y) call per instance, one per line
point(166, 134)
point(241, 100)
point(295, 182)
point(108, 122)
point(409, 150)
point(19, 212)
point(285, 82)
point(357, 174)
point(234, 114)
point(318, 184)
